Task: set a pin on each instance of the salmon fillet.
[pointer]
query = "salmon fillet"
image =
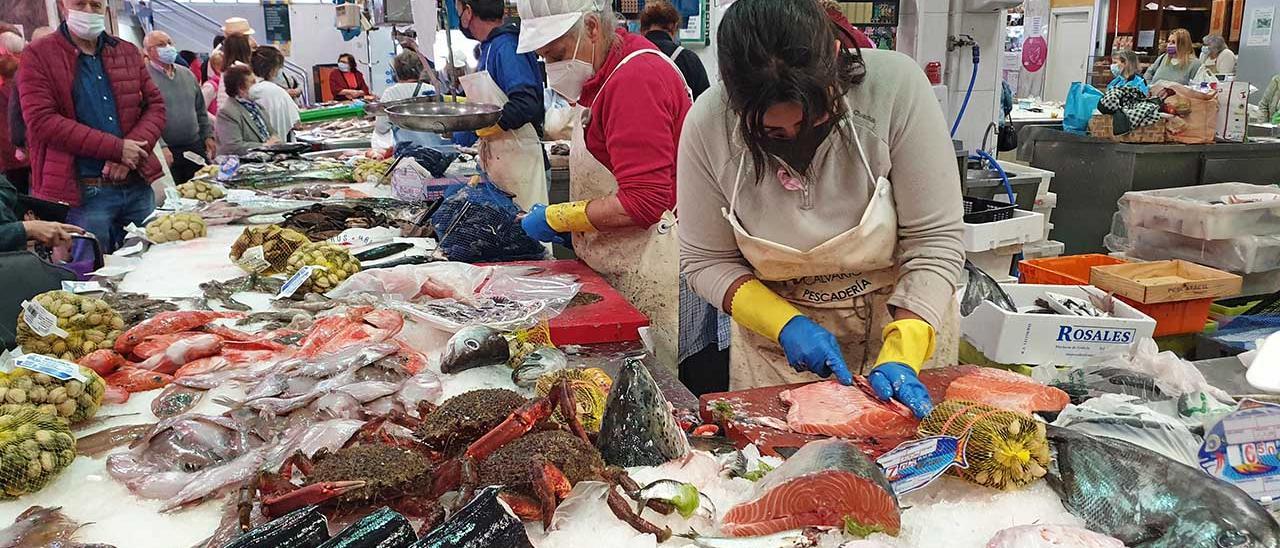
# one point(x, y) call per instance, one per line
point(824, 483)
point(997, 388)
point(832, 409)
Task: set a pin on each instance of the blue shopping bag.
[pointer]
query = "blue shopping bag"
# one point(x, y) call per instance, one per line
point(1082, 100)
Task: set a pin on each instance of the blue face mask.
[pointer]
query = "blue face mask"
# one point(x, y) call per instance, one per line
point(167, 54)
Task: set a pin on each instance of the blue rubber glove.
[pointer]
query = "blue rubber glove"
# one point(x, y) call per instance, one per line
point(899, 381)
point(810, 346)
point(535, 225)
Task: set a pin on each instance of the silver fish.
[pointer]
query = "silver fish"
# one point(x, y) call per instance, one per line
point(800, 538)
point(475, 346)
point(175, 399)
point(1145, 499)
point(41, 527)
point(538, 363)
point(638, 428)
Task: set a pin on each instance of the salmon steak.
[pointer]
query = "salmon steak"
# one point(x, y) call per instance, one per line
point(994, 387)
point(831, 409)
point(827, 483)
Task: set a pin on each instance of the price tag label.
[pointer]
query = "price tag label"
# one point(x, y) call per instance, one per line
point(53, 367)
point(83, 287)
point(296, 280)
point(254, 259)
point(171, 196)
point(194, 158)
point(916, 463)
point(131, 250)
point(43, 322)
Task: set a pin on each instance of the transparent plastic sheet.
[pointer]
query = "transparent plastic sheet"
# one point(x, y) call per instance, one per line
point(1244, 254)
point(442, 280)
point(982, 287)
point(1122, 417)
point(1209, 212)
point(510, 299)
point(1173, 375)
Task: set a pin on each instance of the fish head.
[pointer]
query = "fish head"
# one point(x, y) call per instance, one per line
point(1231, 524)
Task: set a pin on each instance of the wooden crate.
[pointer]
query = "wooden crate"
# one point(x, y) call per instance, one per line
point(1100, 126)
point(1165, 281)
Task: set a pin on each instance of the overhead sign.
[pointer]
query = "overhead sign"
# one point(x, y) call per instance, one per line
point(275, 16)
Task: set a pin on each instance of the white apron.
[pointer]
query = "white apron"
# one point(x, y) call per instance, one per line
point(641, 263)
point(513, 159)
point(843, 284)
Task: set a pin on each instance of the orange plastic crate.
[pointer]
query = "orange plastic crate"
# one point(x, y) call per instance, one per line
point(1175, 318)
point(1068, 270)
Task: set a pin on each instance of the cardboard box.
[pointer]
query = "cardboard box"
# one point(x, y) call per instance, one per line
point(1165, 281)
point(1233, 111)
point(1050, 339)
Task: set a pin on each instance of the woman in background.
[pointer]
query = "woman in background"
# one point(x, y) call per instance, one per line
point(13, 162)
point(277, 106)
point(1178, 63)
point(212, 86)
point(1124, 65)
point(1216, 57)
point(241, 126)
point(409, 75)
point(1270, 102)
point(347, 83)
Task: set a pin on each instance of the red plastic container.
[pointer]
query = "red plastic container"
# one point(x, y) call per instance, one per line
point(1175, 318)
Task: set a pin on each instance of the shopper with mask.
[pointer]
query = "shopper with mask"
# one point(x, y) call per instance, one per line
point(631, 102)
point(187, 129)
point(820, 205)
point(510, 151)
point(347, 83)
point(93, 118)
point(1124, 66)
point(1216, 56)
point(1178, 63)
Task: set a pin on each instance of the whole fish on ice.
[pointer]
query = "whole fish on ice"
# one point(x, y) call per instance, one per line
point(475, 346)
point(1051, 536)
point(799, 538)
point(538, 363)
point(484, 522)
point(165, 323)
point(638, 427)
point(1147, 500)
point(41, 527)
point(183, 351)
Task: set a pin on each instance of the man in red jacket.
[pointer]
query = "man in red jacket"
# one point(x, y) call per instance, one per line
point(93, 117)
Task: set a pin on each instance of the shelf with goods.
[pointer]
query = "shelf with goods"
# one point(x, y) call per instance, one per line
point(1144, 25)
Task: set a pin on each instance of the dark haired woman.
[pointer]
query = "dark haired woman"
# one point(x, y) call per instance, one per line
point(820, 204)
point(347, 83)
point(241, 125)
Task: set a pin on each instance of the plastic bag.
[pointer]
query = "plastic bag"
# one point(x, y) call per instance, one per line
point(1122, 417)
point(442, 280)
point(982, 287)
point(477, 224)
point(1198, 109)
point(509, 300)
point(1173, 375)
point(1082, 100)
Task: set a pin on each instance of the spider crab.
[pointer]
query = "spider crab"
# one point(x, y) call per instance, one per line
point(536, 460)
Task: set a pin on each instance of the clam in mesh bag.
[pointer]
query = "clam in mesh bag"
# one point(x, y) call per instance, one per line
point(34, 449)
point(1004, 449)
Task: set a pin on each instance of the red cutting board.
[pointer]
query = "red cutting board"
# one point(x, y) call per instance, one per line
point(764, 402)
point(609, 320)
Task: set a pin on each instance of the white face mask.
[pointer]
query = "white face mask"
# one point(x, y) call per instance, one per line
point(84, 25)
point(568, 76)
point(343, 67)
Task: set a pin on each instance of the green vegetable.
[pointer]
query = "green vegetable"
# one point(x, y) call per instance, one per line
point(855, 529)
point(687, 500)
point(762, 468)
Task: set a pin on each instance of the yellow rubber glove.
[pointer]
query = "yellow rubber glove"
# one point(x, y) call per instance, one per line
point(908, 342)
point(489, 132)
point(569, 217)
point(759, 309)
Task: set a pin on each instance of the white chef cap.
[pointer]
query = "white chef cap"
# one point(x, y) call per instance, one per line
point(542, 21)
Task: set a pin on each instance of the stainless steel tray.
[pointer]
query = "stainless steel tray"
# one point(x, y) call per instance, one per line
point(443, 117)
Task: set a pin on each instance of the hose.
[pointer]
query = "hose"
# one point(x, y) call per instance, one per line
point(968, 92)
point(1008, 189)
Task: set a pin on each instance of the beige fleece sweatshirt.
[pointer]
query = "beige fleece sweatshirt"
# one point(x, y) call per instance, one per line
point(905, 137)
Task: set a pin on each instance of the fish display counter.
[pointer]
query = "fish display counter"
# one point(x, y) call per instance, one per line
point(310, 376)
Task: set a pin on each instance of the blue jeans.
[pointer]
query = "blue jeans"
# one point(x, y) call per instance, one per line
point(106, 210)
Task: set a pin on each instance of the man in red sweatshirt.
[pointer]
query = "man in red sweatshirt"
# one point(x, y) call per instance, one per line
point(93, 117)
point(630, 103)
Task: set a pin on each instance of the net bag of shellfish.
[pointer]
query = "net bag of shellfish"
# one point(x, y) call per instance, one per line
point(34, 449)
point(477, 224)
point(1004, 449)
point(266, 249)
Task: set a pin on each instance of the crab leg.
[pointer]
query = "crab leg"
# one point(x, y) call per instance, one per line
point(523, 420)
point(315, 493)
point(551, 486)
point(622, 511)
